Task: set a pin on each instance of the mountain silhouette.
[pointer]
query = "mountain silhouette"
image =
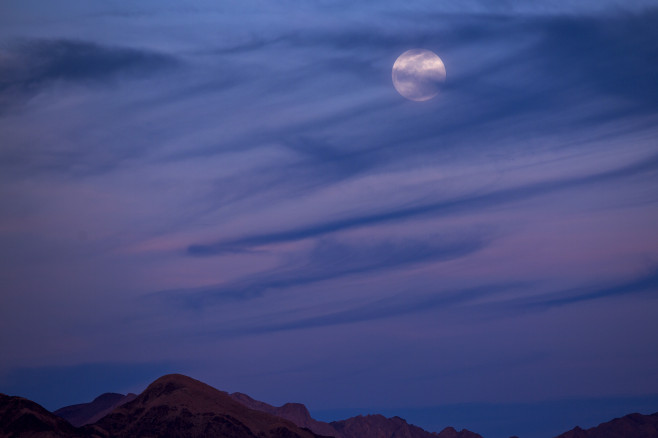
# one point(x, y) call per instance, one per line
point(176, 406)
point(88, 413)
point(20, 417)
point(629, 426)
point(295, 412)
point(451, 432)
point(375, 426)
point(378, 426)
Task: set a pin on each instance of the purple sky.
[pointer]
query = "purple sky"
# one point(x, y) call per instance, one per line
point(235, 191)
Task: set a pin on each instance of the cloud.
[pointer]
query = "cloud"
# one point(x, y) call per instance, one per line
point(611, 55)
point(517, 66)
point(555, 54)
point(403, 303)
point(511, 78)
point(332, 259)
point(644, 283)
point(29, 65)
point(470, 202)
point(412, 301)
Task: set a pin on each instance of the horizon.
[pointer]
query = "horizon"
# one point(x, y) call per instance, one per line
point(239, 192)
point(541, 419)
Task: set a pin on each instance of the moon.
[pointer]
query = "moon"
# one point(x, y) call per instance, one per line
point(418, 74)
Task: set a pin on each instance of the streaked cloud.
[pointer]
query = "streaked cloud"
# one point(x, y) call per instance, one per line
point(332, 259)
point(27, 66)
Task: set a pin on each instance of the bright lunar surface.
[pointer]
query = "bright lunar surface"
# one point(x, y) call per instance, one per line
point(418, 74)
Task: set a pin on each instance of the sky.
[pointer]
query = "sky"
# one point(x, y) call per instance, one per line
point(235, 191)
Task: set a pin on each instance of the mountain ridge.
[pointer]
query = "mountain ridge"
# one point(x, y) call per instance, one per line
point(20, 417)
point(88, 413)
point(352, 427)
point(629, 426)
point(295, 412)
point(177, 406)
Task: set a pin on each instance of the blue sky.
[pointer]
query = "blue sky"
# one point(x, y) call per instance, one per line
point(235, 191)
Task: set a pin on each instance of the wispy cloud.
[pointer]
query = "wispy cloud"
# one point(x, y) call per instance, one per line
point(403, 303)
point(471, 202)
point(643, 283)
point(27, 66)
point(333, 259)
point(30, 64)
point(486, 301)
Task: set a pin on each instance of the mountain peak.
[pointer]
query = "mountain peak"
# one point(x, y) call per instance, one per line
point(108, 397)
point(451, 432)
point(177, 405)
point(631, 425)
point(179, 388)
point(378, 426)
point(297, 409)
point(21, 417)
point(180, 406)
point(294, 412)
point(87, 413)
point(177, 381)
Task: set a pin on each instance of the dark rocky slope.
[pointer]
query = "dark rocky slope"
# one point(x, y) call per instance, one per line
point(88, 413)
point(176, 406)
point(630, 426)
point(369, 426)
point(20, 417)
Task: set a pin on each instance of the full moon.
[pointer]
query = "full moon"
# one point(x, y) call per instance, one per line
point(418, 74)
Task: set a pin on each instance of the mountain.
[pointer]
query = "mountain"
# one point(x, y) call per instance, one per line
point(20, 417)
point(295, 412)
point(174, 406)
point(180, 407)
point(88, 413)
point(355, 427)
point(378, 426)
point(450, 432)
point(177, 406)
point(630, 426)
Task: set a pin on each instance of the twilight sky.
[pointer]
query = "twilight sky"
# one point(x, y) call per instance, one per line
point(235, 191)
